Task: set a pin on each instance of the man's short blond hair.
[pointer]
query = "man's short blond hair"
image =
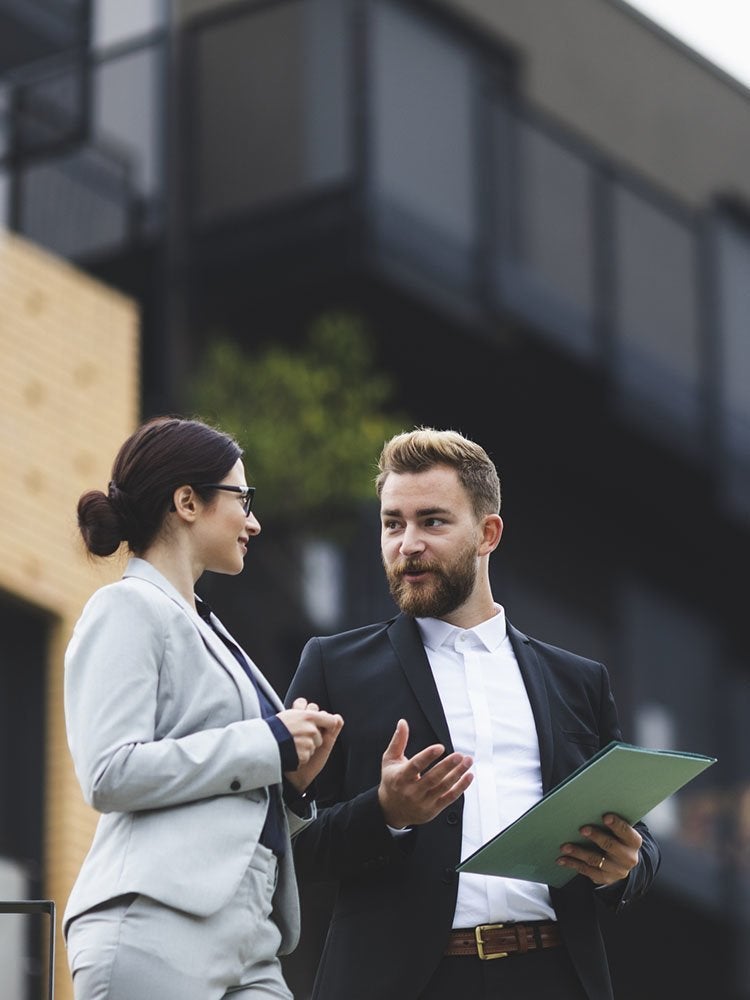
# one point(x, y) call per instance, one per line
point(424, 447)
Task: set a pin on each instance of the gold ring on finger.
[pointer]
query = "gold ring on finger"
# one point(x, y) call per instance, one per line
point(601, 863)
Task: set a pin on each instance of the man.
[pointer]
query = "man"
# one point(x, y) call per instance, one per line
point(486, 720)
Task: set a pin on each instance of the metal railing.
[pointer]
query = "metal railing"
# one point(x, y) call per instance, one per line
point(29, 906)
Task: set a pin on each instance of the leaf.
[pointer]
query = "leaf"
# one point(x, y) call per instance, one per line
point(311, 422)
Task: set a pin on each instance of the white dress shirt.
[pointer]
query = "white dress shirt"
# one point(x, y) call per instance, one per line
point(489, 718)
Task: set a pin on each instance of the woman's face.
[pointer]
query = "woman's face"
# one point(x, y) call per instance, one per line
point(223, 528)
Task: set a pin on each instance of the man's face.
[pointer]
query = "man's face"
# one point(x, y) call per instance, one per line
point(430, 537)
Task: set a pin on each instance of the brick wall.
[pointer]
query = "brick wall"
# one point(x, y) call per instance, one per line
point(68, 398)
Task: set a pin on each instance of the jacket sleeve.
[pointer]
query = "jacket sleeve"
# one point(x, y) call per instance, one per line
point(349, 835)
point(621, 894)
point(120, 670)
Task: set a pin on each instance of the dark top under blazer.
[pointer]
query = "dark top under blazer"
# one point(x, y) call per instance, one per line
point(395, 904)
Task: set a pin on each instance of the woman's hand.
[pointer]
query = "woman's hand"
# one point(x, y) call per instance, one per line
point(314, 734)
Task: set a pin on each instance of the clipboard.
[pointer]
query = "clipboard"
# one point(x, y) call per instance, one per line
point(621, 778)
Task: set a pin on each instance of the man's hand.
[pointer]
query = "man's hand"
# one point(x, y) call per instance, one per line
point(615, 851)
point(314, 733)
point(409, 793)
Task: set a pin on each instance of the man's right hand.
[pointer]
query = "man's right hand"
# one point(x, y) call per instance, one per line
point(409, 793)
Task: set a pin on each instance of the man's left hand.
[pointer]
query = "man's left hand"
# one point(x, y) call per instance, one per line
point(612, 852)
point(327, 728)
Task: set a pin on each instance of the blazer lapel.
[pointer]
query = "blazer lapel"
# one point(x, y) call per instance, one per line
point(532, 672)
point(220, 652)
point(143, 570)
point(409, 649)
point(260, 680)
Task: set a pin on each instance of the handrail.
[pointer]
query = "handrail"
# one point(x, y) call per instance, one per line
point(38, 906)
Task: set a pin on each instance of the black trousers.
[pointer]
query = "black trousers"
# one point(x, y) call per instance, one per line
point(536, 975)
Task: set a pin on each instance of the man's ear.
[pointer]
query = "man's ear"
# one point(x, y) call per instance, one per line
point(185, 502)
point(492, 532)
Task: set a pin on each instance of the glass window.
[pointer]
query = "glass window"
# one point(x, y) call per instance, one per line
point(76, 205)
point(656, 325)
point(272, 116)
point(127, 113)
point(544, 232)
point(322, 583)
point(49, 108)
point(114, 22)
point(5, 119)
point(671, 655)
point(732, 242)
point(421, 132)
point(5, 212)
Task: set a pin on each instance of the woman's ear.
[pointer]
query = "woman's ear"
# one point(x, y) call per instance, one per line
point(185, 503)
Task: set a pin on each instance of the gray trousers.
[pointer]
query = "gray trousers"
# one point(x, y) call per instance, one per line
point(133, 948)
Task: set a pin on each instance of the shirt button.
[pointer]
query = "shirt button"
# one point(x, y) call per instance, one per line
point(452, 818)
point(235, 786)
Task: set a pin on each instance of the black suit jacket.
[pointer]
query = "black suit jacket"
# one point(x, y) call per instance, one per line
point(396, 896)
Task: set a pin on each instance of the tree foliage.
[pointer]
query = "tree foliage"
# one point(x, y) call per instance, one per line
point(311, 421)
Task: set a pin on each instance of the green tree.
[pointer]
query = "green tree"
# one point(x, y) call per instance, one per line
point(311, 421)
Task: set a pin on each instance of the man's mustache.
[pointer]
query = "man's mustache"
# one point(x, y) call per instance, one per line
point(414, 566)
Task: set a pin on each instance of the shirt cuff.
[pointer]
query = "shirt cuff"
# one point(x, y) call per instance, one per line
point(287, 750)
point(299, 802)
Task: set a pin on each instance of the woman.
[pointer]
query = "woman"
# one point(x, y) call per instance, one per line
point(188, 890)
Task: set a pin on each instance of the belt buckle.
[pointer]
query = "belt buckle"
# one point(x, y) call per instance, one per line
point(480, 944)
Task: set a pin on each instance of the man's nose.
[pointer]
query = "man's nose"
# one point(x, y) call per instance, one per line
point(412, 541)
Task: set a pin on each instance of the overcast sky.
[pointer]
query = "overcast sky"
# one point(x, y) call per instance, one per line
point(718, 29)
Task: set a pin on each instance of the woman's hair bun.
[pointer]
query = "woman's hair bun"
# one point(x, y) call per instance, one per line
point(100, 522)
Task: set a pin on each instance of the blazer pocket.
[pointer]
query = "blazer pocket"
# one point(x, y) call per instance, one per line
point(257, 795)
point(582, 738)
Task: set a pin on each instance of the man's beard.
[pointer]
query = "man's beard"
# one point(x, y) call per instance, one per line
point(447, 589)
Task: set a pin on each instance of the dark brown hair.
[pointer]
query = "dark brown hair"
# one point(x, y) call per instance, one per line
point(161, 455)
point(424, 448)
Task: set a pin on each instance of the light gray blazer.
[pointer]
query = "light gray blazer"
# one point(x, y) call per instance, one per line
point(168, 744)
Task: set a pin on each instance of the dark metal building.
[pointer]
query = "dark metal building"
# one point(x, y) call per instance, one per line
point(545, 221)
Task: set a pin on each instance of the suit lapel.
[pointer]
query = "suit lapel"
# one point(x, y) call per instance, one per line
point(532, 672)
point(409, 649)
point(407, 644)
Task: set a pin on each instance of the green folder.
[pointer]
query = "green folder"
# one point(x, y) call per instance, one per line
point(621, 778)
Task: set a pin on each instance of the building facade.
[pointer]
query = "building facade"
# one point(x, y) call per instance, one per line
point(542, 211)
point(70, 396)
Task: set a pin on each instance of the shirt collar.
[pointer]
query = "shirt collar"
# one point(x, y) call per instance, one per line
point(491, 633)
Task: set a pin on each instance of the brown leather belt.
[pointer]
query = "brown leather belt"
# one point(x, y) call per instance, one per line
point(500, 940)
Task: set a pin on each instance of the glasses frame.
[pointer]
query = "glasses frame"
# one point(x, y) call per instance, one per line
point(246, 492)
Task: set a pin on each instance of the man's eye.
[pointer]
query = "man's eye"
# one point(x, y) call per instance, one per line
point(434, 522)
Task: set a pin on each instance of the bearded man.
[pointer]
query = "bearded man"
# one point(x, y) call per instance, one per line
point(456, 723)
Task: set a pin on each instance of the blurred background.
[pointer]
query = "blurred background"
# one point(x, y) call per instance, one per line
point(319, 222)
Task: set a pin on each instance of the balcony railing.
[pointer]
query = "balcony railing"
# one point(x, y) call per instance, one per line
point(458, 189)
point(473, 199)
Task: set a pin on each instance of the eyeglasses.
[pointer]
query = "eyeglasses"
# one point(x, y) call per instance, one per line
point(247, 493)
